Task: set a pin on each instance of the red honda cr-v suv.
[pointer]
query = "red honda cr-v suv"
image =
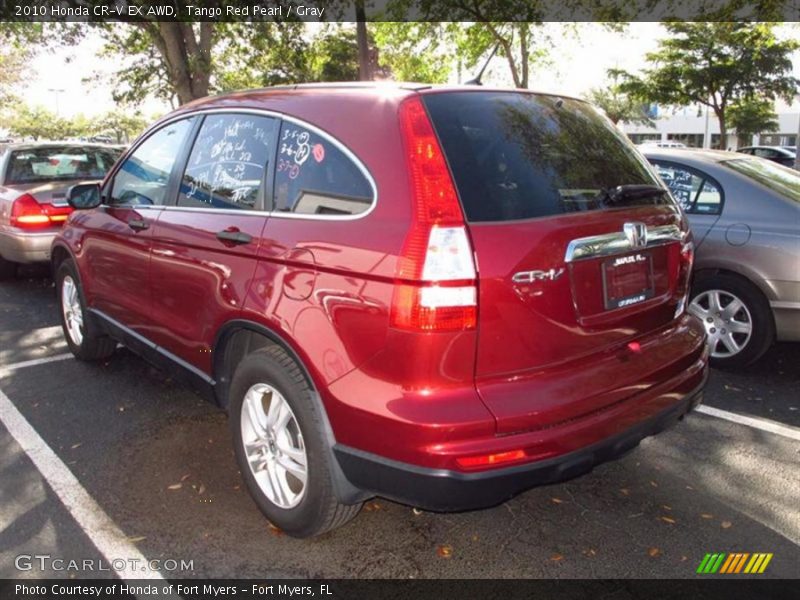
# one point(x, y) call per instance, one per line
point(443, 296)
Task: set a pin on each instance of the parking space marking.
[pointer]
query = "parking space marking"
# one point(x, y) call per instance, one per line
point(757, 423)
point(109, 540)
point(34, 362)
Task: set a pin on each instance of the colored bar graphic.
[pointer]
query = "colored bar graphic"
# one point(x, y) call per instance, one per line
point(721, 562)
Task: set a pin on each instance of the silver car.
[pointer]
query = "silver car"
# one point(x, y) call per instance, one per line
point(34, 179)
point(745, 215)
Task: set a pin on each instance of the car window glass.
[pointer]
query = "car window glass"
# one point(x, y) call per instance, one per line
point(313, 176)
point(143, 178)
point(519, 156)
point(228, 161)
point(696, 193)
point(59, 163)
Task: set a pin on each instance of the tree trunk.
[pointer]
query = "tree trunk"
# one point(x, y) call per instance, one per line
point(524, 52)
point(364, 66)
point(188, 62)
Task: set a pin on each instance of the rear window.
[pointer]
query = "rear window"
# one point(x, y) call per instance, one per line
point(519, 156)
point(779, 179)
point(55, 163)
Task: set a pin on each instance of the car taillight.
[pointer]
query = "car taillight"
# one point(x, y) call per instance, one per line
point(27, 213)
point(685, 276)
point(436, 286)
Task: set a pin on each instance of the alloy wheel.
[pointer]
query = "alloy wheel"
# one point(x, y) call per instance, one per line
point(727, 320)
point(273, 445)
point(72, 310)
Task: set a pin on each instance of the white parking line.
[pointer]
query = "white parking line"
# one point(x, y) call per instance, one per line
point(793, 433)
point(96, 524)
point(34, 362)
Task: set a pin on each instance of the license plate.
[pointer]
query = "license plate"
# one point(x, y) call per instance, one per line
point(627, 280)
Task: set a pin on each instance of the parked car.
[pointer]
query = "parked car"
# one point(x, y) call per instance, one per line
point(470, 293)
point(745, 215)
point(34, 179)
point(661, 144)
point(101, 139)
point(779, 154)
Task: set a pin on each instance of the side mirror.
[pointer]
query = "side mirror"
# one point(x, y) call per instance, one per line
point(84, 196)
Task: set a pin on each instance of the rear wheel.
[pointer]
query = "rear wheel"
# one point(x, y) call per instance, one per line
point(737, 319)
point(8, 269)
point(281, 446)
point(84, 341)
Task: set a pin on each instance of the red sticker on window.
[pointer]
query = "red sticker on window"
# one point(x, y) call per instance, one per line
point(319, 152)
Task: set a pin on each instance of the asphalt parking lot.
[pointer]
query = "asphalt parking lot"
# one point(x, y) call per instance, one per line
point(157, 461)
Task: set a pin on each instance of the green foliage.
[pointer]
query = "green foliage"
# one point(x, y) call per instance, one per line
point(749, 116)
point(414, 51)
point(717, 64)
point(333, 55)
point(618, 105)
point(43, 124)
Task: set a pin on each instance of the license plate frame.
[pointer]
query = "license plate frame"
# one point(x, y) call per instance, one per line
point(627, 280)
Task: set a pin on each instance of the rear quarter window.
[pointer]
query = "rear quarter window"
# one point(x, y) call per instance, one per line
point(519, 156)
point(313, 176)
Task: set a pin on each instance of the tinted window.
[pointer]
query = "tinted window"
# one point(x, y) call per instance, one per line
point(518, 155)
point(696, 192)
point(228, 161)
point(780, 179)
point(59, 163)
point(144, 176)
point(313, 176)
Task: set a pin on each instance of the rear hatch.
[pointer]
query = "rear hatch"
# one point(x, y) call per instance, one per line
point(578, 248)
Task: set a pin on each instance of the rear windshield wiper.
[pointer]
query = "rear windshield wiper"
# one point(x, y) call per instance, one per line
point(627, 193)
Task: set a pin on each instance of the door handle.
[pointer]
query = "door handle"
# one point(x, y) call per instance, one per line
point(234, 237)
point(138, 224)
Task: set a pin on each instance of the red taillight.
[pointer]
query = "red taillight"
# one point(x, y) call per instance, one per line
point(685, 276)
point(27, 213)
point(436, 288)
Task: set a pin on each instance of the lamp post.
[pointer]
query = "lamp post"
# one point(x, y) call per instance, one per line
point(57, 91)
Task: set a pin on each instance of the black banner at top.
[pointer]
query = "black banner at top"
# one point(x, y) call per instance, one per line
point(100, 11)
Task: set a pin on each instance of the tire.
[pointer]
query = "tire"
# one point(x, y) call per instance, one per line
point(725, 302)
point(83, 338)
point(8, 269)
point(269, 379)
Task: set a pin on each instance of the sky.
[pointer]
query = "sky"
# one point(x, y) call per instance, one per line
point(578, 63)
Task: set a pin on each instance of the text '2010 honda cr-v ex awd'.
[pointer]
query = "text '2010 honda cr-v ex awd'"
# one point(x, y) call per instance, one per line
point(442, 296)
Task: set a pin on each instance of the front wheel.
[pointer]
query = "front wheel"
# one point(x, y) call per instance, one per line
point(281, 446)
point(84, 341)
point(737, 319)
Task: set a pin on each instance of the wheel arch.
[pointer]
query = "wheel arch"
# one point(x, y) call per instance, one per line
point(239, 337)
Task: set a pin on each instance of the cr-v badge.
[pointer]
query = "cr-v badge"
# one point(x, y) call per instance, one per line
point(531, 276)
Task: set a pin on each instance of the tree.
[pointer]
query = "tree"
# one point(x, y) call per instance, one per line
point(716, 65)
point(413, 51)
point(38, 123)
point(334, 55)
point(124, 125)
point(749, 116)
point(618, 105)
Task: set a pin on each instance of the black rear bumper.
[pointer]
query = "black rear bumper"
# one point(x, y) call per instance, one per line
point(444, 490)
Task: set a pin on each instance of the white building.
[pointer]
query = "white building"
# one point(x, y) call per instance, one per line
point(700, 129)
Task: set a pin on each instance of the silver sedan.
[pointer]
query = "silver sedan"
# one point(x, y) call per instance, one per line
point(34, 179)
point(745, 216)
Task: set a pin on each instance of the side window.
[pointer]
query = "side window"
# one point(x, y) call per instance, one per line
point(313, 176)
point(694, 191)
point(228, 161)
point(143, 178)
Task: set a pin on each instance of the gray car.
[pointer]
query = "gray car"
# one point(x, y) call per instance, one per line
point(745, 216)
point(34, 179)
